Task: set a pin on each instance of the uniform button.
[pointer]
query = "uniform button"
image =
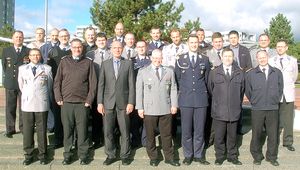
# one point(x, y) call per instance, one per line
point(193, 82)
point(14, 70)
point(193, 76)
point(14, 75)
point(193, 69)
point(193, 89)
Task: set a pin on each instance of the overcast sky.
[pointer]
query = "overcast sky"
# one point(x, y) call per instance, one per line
point(251, 16)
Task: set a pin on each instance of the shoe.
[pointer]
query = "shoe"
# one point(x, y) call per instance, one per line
point(66, 161)
point(201, 161)
point(289, 147)
point(273, 162)
point(235, 161)
point(27, 161)
point(43, 161)
point(9, 134)
point(172, 162)
point(257, 162)
point(84, 161)
point(154, 162)
point(109, 161)
point(187, 161)
point(219, 161)
point(125, 161)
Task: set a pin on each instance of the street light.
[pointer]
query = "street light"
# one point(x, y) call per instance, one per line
point(46, 19)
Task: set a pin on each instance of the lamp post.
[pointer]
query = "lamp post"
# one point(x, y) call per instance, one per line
point(46, 20)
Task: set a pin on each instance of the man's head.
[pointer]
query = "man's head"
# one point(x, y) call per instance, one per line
point(64, 36)
point(201, 34)
point(141, 48)
point(101, 40)
point(18, 38)
point(217, 41)
point(233, 37)
point(116, 49)
point(54, 35)
point(35, 55)
point(156, 57)
point(155, 33)
point(129, 40)
point(40, 34)
point(89, 35)
point(263, 41)
point(175, 36)
point(193, 42)
point(76, 47)
point(282, 47)
point(227, 57)
point(119, 29)
point(262, 57)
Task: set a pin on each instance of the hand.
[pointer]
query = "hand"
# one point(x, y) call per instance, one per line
point(141, 113)
point(86, 105)
point(60, 103)
point(173, 110)
point(100, 109)
point(129, 108)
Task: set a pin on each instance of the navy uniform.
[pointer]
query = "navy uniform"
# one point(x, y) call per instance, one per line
point(193, 101)
point(155, 45)
point(11, 60)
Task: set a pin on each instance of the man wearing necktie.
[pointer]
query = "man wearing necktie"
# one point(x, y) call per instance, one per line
point(192, 76)
point(35, 82)
point(11, 60)
point(116, 99)
point(226, 86)
point(129, 51)
point(289, 68)
point(156, 42)
point(264, 90)
point(119, 35)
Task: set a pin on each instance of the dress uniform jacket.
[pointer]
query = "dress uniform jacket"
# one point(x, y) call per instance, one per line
point(170, 53)
point(264, 94)
point(152, 46)
point(192, 81)
point(35, 89)
point(290, 74)
point(227, 94)
point(10, 64)
point(155, 96)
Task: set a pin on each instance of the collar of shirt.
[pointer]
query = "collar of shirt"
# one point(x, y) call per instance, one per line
point(67, 47)
point(142, 57)
point(128, 48)
point(236, 46)
point(18, 48)
point(54, 43)
point(119, 38)
point(90, 44)
point(158, 42)
point(266, 67)
point(116, 59)
point(220, 50)
point(33, 65)
point(76, 58)
point(266, 49)
point(227, 67)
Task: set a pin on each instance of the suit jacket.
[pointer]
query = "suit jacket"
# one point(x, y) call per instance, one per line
point(36, 90)
point(133, 53)
point(118, 91)
point(271, 52)
point(244, 56)
point(213, 57)
point(154, 96)
point(11, 62)
point(290, 74)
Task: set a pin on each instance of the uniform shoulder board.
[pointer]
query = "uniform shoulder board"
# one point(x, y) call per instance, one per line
point(249, 70)
point(64, 57)
point(89, 58)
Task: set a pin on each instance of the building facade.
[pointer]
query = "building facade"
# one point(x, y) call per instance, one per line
point(7, 13)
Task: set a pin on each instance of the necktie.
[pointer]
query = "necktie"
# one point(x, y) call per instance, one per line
point(264, 70)
point(193, 60)
point(117, 66)
point(64, 49)
point(18, 51)
point(76, 59)
point(156, 44)
point(281, 62)
point(177, 48)
point(102, 55)
point(119, 39)
point(227, 73)
point(34, 70)
point(157, 73)
point(219, 54)
point(129, 54)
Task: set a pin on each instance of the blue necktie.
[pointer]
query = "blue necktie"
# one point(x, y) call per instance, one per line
point(34, 70)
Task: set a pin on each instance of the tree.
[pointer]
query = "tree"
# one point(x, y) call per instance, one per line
point(280, 28)
point(5, 32)
point(138, 16)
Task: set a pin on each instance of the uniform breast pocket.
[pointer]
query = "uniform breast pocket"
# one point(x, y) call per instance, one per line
point(148, 86)
point(219, 80)
point(43, 79)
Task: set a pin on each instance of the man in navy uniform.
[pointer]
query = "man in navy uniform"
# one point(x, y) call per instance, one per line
point(156, 42)
point(192, 71)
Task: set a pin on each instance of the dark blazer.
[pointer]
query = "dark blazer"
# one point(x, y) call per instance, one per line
point(152, 47)
point(118, 91)
point(192, 81)
point(227, 94)
point(244, 58)
point(262, 94)
point(10, 64)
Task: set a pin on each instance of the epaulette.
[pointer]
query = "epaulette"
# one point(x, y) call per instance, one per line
point(89, 58)
point(64, 57)
point(248, 70)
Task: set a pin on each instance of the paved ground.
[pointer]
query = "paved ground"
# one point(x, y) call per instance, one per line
point(11, 154)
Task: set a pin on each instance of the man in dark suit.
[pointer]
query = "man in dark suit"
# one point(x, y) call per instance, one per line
point(116, 99)
point(12, 58)
point(119, 35)
point(156, 42)
point(192, 71)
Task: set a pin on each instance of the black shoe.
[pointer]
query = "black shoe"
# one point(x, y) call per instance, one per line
point(273, 162)
point(219, 161)
point(125, 161)
point(235, 161)
point(187, 161)
point(154, 162)
point(201, 161)
point(109, 161)
point(43, 161)
point(27, 161)
point(289, 147)
point(172, 162)
point(84, 161)
point(9, 134)
point(50, 130)
point(66, 161)
point(257, 162)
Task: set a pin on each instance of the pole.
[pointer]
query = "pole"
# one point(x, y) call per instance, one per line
point(46, 20)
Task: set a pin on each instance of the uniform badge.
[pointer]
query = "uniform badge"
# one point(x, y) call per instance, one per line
point(8, 59)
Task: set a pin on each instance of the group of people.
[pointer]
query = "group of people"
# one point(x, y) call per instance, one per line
point(130, 92)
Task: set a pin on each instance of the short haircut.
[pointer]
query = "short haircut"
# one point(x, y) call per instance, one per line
point(216, 35)
point(263, 34)
point(233, 32)
point(261, 51)
point(40, 28)
point(76, 40)
point(226, 50)
point(18, 31)
point(90, 28)
point(146, 44)
point(101, 35)
point(200, 29)
point(157, 52)
point(193, 36)
point(155, 28)
point(35, 49)
point(282, 40)
point(174, 30)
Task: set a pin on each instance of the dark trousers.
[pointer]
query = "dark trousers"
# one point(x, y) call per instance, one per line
point(12, 98)
point(109, 122)
point(192, 124)
point(75, 115)
point(286, 121)
point(269, 120)
point(97, 125)
point(30, 121)
point(164, 123)
point(58, 128)
point(136, 125)
point(225, 137)
point(209, 129)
